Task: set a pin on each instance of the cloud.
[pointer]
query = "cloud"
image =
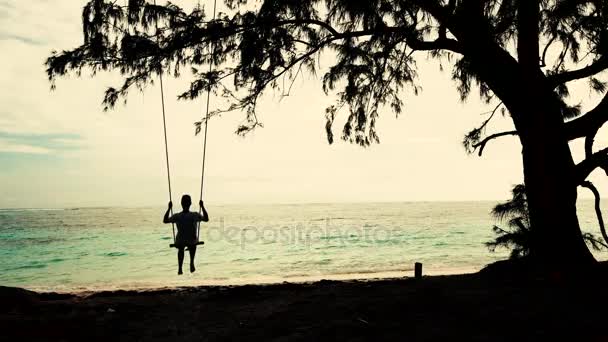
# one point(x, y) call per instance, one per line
point(10, 147)
point(22, 39)
point(5, 5)
point(68, 142)
point(38, 143)
point(21, 21)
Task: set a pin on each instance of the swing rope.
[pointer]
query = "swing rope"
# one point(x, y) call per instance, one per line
point(162, 100)
point(198, 228)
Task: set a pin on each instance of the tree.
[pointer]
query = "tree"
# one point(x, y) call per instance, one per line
point(501, 47)
point(517, 236)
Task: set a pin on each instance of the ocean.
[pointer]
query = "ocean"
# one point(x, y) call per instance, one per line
point(85, 249)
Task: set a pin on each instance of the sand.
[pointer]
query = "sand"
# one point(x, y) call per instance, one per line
point(473, 307)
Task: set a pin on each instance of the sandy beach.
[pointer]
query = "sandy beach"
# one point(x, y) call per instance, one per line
point(475, 307)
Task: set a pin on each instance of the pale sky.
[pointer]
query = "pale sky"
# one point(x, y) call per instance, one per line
point(59, 149)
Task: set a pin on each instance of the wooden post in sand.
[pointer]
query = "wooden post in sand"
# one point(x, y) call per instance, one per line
point(418, 270)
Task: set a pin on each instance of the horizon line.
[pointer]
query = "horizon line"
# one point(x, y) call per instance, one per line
point(266, 204)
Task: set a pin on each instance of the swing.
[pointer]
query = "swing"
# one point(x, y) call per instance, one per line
point(162, 97)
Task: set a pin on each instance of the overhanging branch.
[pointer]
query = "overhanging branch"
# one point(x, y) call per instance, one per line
point(438, 44)
point(598, 209)
point(441, 43)
point(588, 123)
point(320, 23)
point(598, 66)
point(482, 144)
point(596, 160)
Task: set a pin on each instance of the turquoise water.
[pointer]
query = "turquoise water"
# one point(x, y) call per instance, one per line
point(108, 248)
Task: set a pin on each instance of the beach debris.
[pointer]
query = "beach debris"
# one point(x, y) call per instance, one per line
point(110, 310)
point(362, 320)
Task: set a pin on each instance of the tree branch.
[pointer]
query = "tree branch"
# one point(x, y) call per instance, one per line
point(543, 59)
point(443, 29)
point(320, 23)
point(438, 44)
point(598, 209)
point(441, 43)
point(528, 16)
point(584, 168)
point(589, 141)
point(485, 123)
point(482, 144)
point(594, 68)
point(590, 122)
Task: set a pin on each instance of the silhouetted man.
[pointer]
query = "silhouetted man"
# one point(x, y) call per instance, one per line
point(186, 229)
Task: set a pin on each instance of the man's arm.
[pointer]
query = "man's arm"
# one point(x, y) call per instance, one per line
point(205, 216)
point(166, 218)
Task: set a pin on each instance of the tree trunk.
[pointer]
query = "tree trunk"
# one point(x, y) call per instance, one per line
point(551, 186)
point(549, 173)
point(551, 190)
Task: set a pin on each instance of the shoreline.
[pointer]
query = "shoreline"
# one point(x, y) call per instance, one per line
point(187, 281)
point(474, 306)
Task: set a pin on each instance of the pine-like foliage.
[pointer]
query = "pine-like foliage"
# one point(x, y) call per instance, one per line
point(262, 45)
point(514, 212)
point(517, 236)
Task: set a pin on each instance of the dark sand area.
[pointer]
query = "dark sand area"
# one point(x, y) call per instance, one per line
point(473, 307)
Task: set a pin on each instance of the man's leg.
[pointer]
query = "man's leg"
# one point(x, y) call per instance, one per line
point(180, 259)
point(192, 251)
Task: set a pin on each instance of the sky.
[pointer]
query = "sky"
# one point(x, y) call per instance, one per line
point(59, 149)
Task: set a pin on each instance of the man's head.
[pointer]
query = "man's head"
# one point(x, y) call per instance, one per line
point(186, 202)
